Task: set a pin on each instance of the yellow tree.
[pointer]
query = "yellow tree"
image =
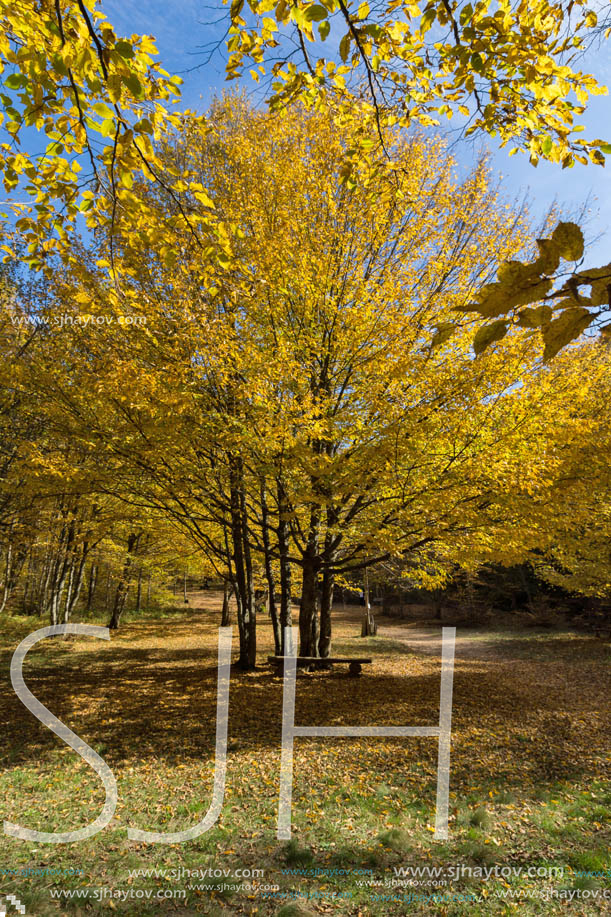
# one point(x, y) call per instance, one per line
point(553, 501)
point(570, 502)
point(294, 411)
point(383, 444)
point(503, 66)
point(312, 422)
point(98, 103)
point(64, 534)
point(82, 108)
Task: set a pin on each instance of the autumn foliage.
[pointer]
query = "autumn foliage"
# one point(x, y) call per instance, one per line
point(311, 408)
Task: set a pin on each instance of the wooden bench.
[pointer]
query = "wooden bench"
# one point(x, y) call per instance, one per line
point(354, 665)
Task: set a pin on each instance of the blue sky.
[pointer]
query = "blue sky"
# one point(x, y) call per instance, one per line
point(182, 29)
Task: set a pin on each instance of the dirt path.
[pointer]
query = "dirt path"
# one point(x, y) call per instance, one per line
point(422, 638)
point(471, 643)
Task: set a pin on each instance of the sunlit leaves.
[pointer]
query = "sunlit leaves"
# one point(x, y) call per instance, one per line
point(95, 98)
point(318, 355)
point(505, 68)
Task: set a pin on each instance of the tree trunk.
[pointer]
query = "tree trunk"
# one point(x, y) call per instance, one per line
point(107, 593)
point(43, 586)
point(122, 589)
point(269, 574)
point(310, 599)
point(7, 576)
point(286, 615)
point(27, 584)
point(93, 578)
point(75, 583)
point(226, 613)
point(69, 589)
point(250, 618)
point(57, 591)
point(527, 589)
point(326, 605)
point(15, 560)
point(369, 627)
point(60, 571)
point(139, 592)
point(245, 594)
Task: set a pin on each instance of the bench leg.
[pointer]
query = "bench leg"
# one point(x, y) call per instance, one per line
point(355, 669)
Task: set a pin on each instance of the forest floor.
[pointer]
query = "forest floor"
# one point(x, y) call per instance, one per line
point(529, 788)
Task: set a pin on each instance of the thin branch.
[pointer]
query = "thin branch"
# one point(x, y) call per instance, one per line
point(99, 47)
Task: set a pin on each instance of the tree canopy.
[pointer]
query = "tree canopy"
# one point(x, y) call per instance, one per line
point(505, 67)
point(314, 407)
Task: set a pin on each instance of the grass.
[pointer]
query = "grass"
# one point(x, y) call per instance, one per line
point(528, 771)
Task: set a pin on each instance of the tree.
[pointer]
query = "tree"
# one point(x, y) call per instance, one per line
point(504, 67)
point(98, 101)
point(66, 540)
point(336, 293)
point(572, 505)
point(101, 100)
point(103, 104)
point(314, 408)
point(313, 424)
